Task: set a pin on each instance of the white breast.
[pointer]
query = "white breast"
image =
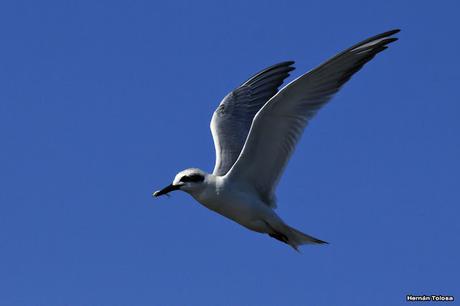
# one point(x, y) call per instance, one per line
point(241, 206)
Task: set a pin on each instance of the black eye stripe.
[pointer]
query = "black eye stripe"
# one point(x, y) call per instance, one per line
point(192, 178)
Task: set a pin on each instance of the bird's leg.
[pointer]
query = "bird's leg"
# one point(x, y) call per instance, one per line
point(279, 236)
point(276, 234)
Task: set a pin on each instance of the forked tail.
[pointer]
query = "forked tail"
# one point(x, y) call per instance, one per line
point(298, 238)
point(295, 238)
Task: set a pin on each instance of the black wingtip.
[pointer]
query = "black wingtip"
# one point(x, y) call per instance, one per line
point(287, 64)
point(385, 34)
point(391, 32)
point(373, 38)
point(282, 69)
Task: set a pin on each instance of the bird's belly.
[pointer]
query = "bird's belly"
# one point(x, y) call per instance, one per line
point(241, 209)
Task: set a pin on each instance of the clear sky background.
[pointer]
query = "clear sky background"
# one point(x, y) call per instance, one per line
point(102, 102)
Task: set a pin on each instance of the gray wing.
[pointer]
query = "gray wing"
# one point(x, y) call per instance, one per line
point(278, 126)
point(232, 119)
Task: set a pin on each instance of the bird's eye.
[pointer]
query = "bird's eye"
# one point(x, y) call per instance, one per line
point(192, 178)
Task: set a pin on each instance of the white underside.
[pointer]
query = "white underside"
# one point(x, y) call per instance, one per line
point(240, 205)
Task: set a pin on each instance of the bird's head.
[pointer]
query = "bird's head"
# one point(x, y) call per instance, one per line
point(189, 180)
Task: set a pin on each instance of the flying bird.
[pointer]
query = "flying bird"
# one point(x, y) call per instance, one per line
point(255, 130)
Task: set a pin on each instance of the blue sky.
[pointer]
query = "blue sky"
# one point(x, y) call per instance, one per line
point(102, 102)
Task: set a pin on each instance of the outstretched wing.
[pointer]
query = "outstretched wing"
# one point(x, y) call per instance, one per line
point(278, 126)
point(232, 119)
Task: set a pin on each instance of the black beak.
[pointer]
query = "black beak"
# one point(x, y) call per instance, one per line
point(166, 190)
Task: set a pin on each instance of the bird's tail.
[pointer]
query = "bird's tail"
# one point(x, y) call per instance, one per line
point(289, 235)
point(295, 238)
